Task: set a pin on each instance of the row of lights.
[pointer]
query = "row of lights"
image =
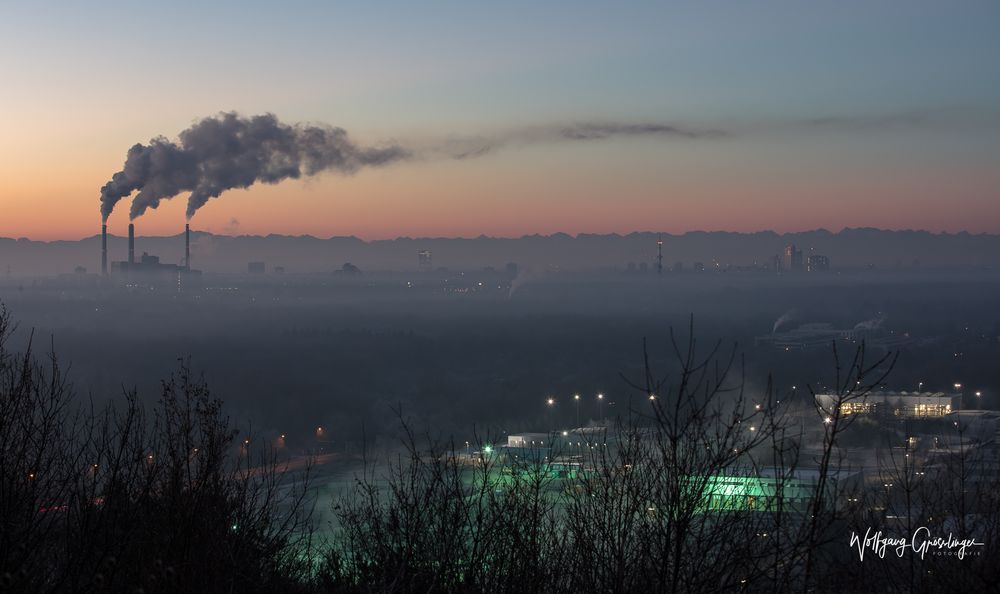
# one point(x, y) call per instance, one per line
point(281, 438)
point(551, 401)
point(956, 385)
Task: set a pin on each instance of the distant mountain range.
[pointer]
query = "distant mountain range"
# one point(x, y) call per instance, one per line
point(849, 248)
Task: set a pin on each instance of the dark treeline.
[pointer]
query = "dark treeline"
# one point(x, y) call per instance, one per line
point(169, 498)
point(133, 498)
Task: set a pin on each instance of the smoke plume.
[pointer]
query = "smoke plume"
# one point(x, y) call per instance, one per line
point(476, 146)
point(230, 151)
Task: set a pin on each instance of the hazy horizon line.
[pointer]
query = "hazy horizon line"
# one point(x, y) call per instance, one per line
point(523, 236)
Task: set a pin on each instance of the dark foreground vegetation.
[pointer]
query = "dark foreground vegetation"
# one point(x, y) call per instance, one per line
point(133, 498)
point(169, 498)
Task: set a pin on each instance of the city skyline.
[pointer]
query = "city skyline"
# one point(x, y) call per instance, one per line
point(792, 118)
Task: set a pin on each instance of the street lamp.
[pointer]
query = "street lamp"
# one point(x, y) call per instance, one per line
point(551, 403)
point(600, 406)
point(576, 403)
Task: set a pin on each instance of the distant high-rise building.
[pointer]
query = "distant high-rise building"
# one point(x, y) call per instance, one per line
point(817, 263)
point(424, 261)
point(792, 258)
point(256, 267)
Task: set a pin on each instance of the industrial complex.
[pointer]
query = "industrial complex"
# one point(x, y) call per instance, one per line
point(147, 270)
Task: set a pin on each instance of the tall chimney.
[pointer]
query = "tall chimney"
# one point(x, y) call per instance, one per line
point(187, 246)
point(104, 248)
point(131, 244)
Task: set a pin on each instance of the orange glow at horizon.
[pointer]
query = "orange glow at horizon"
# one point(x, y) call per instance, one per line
point(575, 190)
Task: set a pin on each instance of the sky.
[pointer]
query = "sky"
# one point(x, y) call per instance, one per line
point(801, 115)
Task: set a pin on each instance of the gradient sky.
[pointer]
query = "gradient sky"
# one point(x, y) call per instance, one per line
point(839, 114)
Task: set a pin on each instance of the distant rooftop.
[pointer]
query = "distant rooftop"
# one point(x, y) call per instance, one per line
point(880, 394)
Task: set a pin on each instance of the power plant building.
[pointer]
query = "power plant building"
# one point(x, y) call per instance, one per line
point(148, 270)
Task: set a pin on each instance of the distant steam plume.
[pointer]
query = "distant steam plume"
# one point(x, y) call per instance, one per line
point(231, 151)
point(524, 276)
point(784, 319)
point(872, 324)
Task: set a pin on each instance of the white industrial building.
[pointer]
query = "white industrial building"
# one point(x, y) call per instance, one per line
point(894, 404)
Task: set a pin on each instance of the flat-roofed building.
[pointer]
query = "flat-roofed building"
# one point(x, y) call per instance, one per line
point(528, 440)
point(894, 404)
point(762, 489)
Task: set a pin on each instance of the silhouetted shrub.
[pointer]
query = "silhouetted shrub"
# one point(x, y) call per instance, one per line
point(128, 498)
